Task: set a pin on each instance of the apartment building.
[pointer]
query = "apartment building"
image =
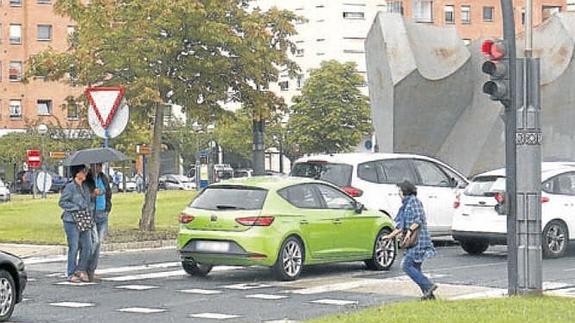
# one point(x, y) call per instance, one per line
point(26, 28)
point(475, 19)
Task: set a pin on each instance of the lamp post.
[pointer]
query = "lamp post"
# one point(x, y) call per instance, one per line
point(43, 130)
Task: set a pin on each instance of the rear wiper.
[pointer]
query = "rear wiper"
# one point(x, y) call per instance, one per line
point(229, 207)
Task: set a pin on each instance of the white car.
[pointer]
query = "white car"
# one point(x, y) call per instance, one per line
point(477, 223)
point(176, 182)
point(372, 178)
point(4, 192)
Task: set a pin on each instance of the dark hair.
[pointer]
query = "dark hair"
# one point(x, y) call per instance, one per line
point(407, 188)
point(74, 170)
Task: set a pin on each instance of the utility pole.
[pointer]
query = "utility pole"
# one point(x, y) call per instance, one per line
point(528, 141)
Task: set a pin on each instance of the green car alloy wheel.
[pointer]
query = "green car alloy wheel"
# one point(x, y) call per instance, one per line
point(283, 223)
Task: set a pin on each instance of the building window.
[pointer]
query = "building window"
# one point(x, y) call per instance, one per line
point(72, 109)
point(15, 71)
point(449, 14)
point(465, 14)
point(15, 3)
point(423, 11)
point(15, 109)
point(299, 52)
point(320, 54)
point(299, 81)
point(395, 7)
point(43, 1)
point(44, 32)
point(44, 107)
point(570, 5)
point(354, 15)
point(284, 85)
point(15, 34)
point(319, 40)
point(548, 11)
point(488, 13)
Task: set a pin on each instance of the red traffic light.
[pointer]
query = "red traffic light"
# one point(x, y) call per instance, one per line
point(494, 49)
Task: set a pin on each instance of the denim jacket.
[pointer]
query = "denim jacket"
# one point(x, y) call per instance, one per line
point(74, 198)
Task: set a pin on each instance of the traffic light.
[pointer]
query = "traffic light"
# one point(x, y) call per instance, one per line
point(497, 67)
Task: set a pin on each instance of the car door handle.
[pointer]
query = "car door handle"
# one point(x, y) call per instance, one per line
point(303, 222)
point(432, 196)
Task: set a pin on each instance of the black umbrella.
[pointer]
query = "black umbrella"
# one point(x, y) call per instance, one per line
point(94, 156)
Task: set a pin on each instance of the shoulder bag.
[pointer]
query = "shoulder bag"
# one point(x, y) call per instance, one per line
point(83, 219)
point(411, 241)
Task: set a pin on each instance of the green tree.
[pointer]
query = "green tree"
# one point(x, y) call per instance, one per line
point(196, 53)
point(331, 115)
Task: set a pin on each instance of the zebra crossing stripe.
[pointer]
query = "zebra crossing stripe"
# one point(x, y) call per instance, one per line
point(73, 304)
point(116, 270)
point(80, 284)
point(338, 302)
point(266, 296)
point(162, 274)
point(246, 286)
point(214, 316)
point(200, 291)
point(141, 310)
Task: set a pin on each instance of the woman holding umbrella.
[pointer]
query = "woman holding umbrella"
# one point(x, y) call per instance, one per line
point(77, 204)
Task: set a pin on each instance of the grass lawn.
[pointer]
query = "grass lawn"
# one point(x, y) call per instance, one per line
point(27, 220)
point(508, 309)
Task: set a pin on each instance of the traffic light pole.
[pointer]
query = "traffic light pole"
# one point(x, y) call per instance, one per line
point(528, 144)
point(510, 152)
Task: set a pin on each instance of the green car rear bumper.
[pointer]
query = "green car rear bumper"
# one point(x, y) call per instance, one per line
point(255, 246)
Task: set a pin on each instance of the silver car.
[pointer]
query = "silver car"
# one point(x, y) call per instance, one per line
point(4, 192)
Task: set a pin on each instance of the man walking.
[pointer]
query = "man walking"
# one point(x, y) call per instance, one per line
point(102, 194)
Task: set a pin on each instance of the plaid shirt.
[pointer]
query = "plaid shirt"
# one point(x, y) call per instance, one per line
point(411, 212)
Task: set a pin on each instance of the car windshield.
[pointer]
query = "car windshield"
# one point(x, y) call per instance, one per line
point(182, 178)
point(485, 186)
point(230, 197)
point(337, 174)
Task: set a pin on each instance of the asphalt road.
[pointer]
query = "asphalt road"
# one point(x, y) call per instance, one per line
point(149, 286)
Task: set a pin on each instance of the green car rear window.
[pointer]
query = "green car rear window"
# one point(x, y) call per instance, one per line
point(230, 197)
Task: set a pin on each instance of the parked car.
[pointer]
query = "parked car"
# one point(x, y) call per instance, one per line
point(282, 223)
point(24, 180)
point(243, 173)
point(223, 172)
point(372, 179)
point(13, 279)
point(176, 182)
point(478, 224)
point(4, 192)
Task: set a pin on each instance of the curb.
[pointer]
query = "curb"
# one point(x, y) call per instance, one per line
point(138, 245)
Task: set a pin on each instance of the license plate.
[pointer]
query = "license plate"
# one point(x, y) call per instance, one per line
point(213, 246)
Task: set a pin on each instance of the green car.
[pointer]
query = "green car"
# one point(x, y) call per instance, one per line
point(283, 223)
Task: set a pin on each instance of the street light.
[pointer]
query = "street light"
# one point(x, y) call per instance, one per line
point(43, 130)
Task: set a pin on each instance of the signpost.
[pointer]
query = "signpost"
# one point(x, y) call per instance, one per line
point(108, 114)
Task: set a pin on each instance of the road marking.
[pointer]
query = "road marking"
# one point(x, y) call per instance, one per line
point(495, 292)
point(115, 270)
point(282, 321)
point(200, 291)
point(141, 310)
point(30, 280)
point(44, 260)
point(266, 296)
point(246, 286)
point(338, 302)
point(214, 316)
point(80, 284)
point(73, 304)
point(336, 287)
point(162, 274)
point(467, 267)
point(58, 275)
point(137, 287)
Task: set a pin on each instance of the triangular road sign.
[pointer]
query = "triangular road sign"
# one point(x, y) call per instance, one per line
point(105, 102)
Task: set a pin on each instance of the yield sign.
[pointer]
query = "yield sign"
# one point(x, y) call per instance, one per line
point(105, 101)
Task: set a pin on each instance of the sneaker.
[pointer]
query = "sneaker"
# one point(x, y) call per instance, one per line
point(428, 295)
point(83, 277)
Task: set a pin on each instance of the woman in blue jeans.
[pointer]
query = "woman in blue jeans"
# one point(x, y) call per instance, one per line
point(76, 196)
point(411, 217)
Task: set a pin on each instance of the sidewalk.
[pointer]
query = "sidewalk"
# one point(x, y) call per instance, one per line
point(32, 250)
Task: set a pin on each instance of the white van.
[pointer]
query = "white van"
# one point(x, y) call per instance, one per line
point(372, 178)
